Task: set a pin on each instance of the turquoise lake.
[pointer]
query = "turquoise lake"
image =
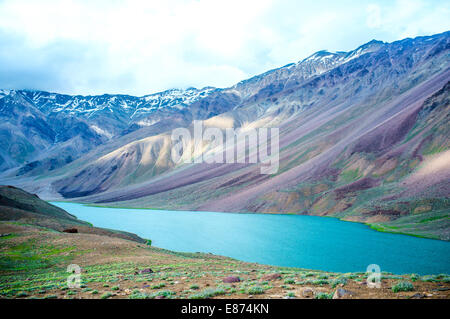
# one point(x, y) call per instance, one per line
point(282, 240)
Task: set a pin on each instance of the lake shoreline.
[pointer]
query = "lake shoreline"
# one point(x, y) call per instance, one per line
point(165, 224)
point(137, 271)
point(374, 226)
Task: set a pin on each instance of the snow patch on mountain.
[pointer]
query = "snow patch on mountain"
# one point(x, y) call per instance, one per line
point(123, 105)
point(100, 131)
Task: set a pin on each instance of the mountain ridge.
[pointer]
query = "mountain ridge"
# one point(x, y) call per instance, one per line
point(355, 128)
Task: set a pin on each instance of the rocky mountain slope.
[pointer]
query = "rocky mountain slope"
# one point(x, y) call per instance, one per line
point(22, 208)
point(47, 130)
point(363, 136)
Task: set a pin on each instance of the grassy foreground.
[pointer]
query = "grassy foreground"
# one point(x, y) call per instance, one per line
point(33, 263)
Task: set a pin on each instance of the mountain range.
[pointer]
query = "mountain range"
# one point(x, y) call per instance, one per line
point(364, 136)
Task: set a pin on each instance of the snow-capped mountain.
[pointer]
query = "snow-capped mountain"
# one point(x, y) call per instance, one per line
point(294, 73)
point(36, 124)
point(126, 105)
point(363, 134)
point(132, 109)
point(49, 129)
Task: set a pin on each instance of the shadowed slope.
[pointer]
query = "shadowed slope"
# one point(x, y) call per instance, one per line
point(28, 209)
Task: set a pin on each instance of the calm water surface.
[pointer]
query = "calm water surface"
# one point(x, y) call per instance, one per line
point(282, 240)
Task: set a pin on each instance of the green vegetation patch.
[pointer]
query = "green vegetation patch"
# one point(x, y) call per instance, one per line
point(30, 255)
point(349, 175)
point(8, 236)
point(403, 286)
point(324, 295)
point(256, 290)
point(106, 295)
point(208, 293)
point(341, 281)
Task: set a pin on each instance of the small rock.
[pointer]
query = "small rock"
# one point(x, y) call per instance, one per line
point(70, 230)
point(271, 277)
point(250, 297)
point(146, 286)
point(307, 292)
point(418, 296)
point(145, 271)
point(342, 293)
point(441, 289)
point(231, 279)
point(160, 297)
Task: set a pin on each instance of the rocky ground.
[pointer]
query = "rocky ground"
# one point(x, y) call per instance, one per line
point(34, 260)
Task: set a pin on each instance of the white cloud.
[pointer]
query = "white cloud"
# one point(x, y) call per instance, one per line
point(373, 16)
point(409, 18)
point(139, 47)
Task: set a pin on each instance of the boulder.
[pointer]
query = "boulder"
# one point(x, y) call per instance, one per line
point(307, 292)
point(145, 271)
point(70, 230)
point(231, 279)
point(342, 293)
point(270, 277)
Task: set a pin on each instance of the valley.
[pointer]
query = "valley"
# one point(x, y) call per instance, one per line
point(257, 238)
point(169, 152)
point(364, 137)
point(36, 250)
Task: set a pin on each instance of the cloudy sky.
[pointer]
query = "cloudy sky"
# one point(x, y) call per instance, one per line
point(141, 47)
